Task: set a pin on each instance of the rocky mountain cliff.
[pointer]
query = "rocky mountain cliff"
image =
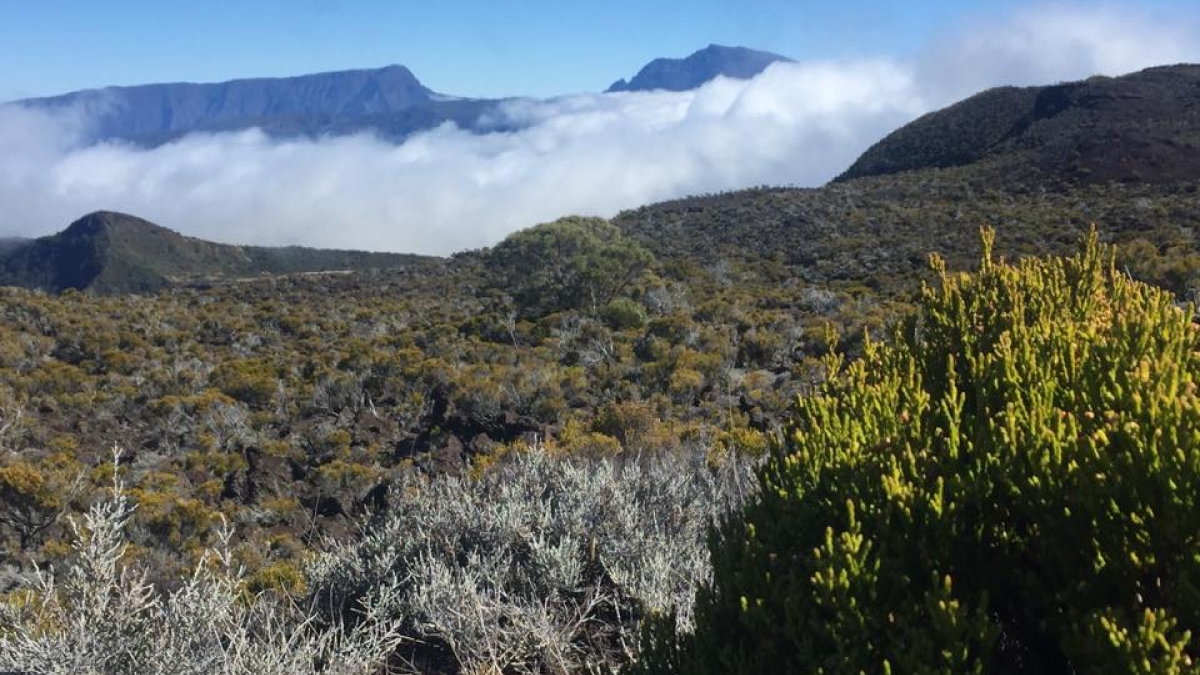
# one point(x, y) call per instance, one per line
point(389, 101)
point(699, 67)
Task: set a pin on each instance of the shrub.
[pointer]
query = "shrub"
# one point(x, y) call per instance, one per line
point(102, 617)
point(35, 494)
point(638, 425)
point(571, 263)
point(545, 564)
point(251, 381)
point(30, 506)
point(623, 314)
point(1009, 487)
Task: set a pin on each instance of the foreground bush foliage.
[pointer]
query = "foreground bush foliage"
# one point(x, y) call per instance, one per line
point(1010, 487)
point(101, 616)
point(546, 564)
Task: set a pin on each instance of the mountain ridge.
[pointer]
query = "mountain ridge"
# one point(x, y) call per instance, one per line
point(697, 68)
point(1143, 126)
point(1140, 129)
point(147, 110)
point(389, 101)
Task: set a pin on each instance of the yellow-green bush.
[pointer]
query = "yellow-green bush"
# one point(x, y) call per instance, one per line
point(623, 314)
point(252, 381)
point(1010, 486)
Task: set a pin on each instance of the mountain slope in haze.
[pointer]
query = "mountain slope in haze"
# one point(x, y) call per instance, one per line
point(389, 101)
point(107, 252)
point(1142, 127)
point(11, 243)
point(700, 67)
point(163, 110)
point(394, 126)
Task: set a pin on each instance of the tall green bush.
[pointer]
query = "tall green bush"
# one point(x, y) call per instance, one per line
point(1009, 486)
point(571, 263)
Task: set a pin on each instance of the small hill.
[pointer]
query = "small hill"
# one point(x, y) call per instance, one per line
point(107, 252)
point(700, 67)
point(1142, 127)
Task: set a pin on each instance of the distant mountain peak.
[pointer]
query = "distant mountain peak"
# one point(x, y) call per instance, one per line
point(699, 67)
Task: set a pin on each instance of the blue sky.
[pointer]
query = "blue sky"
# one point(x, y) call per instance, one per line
point(466, 47)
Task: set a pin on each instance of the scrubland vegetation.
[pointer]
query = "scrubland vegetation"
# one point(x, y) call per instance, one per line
point(544, 564)
point(288, 406)
point(507, 461)
point(1003, 481)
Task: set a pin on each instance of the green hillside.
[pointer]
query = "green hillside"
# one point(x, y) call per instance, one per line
point(106, 252)
point(1143, 127)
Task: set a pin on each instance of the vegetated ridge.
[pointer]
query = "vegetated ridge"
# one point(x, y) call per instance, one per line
point(699, 67)
point(1122, 153)
point(1141, 127)
point(109, 252)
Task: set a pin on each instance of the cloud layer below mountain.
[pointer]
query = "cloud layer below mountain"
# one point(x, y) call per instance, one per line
point(448, 189)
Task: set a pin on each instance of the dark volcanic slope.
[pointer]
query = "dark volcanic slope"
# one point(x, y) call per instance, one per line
point(1140, 127)
point(698, 68)
point(876, 233)
point(110, 252)
point(11, 243)
point(165, 109)
point(1122, 154)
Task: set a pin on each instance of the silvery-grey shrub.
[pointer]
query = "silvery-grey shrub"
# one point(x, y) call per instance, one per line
point(545, 564)
point(102, 617)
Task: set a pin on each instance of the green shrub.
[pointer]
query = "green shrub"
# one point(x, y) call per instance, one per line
point(623, 314)
point(1009, 487)
point(252, 381)
point(571, 263)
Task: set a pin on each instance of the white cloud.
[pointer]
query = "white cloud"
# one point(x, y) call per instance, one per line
point(449, 189)
point(1048, 43)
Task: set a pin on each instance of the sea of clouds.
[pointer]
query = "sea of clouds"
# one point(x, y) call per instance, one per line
point(448, 189)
